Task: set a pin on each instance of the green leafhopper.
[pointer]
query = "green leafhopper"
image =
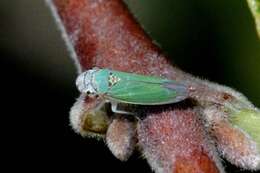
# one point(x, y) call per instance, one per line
point(121, 87)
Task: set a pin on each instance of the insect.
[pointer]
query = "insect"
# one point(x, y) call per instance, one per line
point(121, 87)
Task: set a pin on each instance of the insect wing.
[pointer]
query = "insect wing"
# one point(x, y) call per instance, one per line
point(147, 93)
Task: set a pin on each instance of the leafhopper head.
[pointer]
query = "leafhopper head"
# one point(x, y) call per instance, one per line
point(84, 82)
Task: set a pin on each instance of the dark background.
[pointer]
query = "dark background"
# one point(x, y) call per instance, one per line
point(215, 40)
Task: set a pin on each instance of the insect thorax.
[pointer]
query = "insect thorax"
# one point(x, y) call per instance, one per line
point(112, 79)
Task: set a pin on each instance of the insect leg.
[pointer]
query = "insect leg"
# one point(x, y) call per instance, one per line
point(100, 105)
point(114, 107)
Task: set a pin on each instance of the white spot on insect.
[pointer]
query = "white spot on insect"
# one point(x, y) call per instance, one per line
point(84, 82)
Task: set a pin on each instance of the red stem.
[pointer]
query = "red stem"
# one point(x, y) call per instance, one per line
point(103, 33)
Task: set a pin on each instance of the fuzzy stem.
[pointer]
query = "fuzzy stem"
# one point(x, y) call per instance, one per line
point(103, 33)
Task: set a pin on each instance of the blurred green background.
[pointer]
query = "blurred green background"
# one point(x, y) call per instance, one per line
point(214, 40)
